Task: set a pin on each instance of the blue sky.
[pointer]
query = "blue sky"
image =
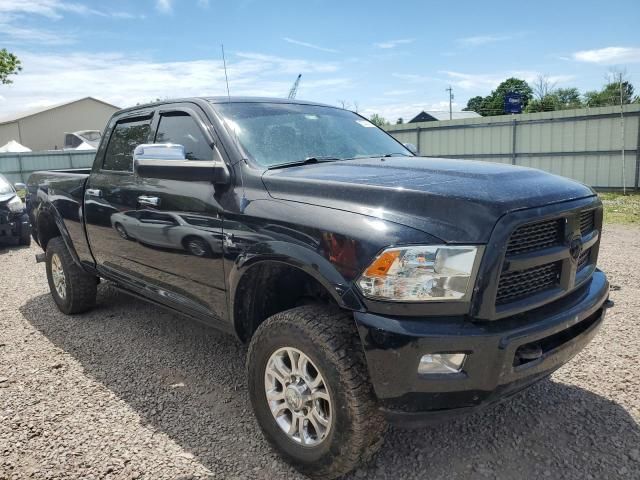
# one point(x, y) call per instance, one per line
point(393, 58)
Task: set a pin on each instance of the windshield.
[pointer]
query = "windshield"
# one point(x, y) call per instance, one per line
point(5, 186)
point(280, 133)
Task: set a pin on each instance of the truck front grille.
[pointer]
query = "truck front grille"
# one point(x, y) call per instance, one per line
point(535, 236)
point(540, 269)
point(520, 284)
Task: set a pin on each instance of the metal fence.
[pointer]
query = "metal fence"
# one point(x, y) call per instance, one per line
point(584, 144)
point(18, 166)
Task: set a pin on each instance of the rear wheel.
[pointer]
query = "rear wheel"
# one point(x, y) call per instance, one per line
point(311, 392)
point(73, 289)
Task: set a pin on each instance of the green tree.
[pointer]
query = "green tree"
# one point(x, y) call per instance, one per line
point(378, 120)
point(568, 97)
point(474, 104)
point(610, 95)
point(9, 65)
point(400, 121)
point(494, 104)
point(558, 99)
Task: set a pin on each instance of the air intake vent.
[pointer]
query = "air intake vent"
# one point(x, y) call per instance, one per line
point(587, 222)
point(520, 284)
point(535, 236)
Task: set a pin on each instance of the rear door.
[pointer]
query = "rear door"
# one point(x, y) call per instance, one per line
point(181, 220)
point(112, 191)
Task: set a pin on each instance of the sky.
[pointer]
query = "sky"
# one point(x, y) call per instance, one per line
point(391, 58)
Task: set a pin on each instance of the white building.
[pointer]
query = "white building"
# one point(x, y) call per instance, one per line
point(45, 128)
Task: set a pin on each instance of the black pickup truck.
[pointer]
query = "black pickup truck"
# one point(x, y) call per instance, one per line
point(371, 285)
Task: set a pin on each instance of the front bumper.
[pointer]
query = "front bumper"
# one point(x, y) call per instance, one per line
point(493, 368)
point(12, 226)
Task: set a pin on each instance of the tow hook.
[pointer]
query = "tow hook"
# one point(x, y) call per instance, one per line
point(40, 257)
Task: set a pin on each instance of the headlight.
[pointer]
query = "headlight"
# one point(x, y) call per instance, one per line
point(420, 273)
point(15, 205)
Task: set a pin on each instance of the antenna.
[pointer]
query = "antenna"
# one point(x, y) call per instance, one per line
point(224, 62)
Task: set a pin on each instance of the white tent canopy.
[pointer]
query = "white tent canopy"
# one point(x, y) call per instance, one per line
point(13, 147)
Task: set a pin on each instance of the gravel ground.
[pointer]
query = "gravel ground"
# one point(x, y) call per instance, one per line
point(131, 391)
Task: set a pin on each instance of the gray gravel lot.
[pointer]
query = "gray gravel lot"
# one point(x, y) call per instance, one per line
point(132, 391)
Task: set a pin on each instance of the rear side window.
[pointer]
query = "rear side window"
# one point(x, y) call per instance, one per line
point(181, 128)
point(126, 136)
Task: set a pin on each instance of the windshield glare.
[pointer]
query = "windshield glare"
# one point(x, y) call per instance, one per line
point(279, 133)
point(5, 186)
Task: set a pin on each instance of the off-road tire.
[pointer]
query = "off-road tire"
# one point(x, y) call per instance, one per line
point(81, 287)
point(329, 338)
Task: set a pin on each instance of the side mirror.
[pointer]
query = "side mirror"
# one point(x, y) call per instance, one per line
point(411, 147)
point(21, 190)
point(168, 161)
point(159, 151)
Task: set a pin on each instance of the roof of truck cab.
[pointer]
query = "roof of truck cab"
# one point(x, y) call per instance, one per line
point(220, 100)
point(263, 100)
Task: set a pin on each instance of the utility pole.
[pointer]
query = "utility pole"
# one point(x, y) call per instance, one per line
point(450, 90)
point(624, 169)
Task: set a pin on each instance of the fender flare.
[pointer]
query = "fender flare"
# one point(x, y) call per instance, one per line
point(296, 256)
point(50, 210)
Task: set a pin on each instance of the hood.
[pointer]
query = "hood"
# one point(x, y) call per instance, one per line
point(455, 200)
point(5, 197)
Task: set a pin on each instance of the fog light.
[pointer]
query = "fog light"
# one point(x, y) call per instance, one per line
point(441, 363)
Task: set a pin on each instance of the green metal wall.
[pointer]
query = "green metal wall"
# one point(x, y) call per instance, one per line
point(18, 166)
point(581, 144)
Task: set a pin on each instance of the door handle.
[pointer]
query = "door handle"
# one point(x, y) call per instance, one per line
point(148, 201)
point(94, 192)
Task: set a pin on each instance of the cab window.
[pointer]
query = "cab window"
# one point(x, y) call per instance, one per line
point(181, 128)
point(126, 136)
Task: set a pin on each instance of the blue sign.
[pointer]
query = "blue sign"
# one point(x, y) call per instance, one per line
point(513, 102)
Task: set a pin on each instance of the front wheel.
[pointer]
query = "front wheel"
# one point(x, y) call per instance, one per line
point(311, 392)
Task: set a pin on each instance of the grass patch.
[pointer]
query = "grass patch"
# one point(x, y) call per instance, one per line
point(620, 208)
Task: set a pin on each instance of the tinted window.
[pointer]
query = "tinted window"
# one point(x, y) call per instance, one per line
point(149, 216)
point(126, 136)
point(182, 129)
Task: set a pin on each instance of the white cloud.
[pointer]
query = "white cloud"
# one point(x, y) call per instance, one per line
point(309, 45)
point(480, 40)
point(484, 82)
point(392, 111)
point(164, 6)
point(51, 78)
point(11, 33)
point(398, 92)
point(394, 43)
point(48, 8)
point(609, 55)
point(412, 77)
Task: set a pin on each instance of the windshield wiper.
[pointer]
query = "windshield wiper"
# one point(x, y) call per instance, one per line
point(396, 153)
point(306, 161)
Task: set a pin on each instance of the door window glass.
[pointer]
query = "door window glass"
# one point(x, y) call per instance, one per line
point(126, 136)
point(181, 128)
point(159, 218)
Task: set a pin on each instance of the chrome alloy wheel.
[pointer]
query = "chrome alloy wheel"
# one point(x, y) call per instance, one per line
point(298, 397)
point(57, 273)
